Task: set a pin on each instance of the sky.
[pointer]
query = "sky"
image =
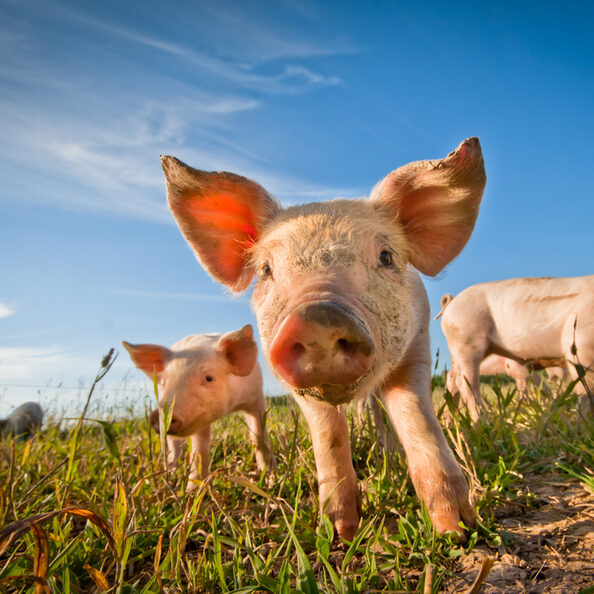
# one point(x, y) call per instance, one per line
point(312, 99)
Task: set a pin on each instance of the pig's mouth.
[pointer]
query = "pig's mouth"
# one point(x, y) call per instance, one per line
point(333, 393)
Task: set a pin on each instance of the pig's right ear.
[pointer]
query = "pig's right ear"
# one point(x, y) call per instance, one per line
point(221, 215)
point(150, 358)
point(240, 350)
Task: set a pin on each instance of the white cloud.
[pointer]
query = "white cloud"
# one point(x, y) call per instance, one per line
point(6, 310)
point(311, 77)
point(246, 46)
point(22, 363)
point(94, 145)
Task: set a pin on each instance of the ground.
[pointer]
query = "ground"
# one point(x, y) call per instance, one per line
point(549, 547)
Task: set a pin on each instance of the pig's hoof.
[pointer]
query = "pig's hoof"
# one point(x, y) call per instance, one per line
point(448, 523)
point(346, 529)
point(342, 504)
point(447, 501)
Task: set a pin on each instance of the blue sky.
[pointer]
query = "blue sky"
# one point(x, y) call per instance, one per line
point(314, 100)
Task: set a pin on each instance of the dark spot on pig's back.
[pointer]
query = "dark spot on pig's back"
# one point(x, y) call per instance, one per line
point(551, 298)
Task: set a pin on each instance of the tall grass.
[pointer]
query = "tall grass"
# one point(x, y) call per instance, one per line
point(97, 511)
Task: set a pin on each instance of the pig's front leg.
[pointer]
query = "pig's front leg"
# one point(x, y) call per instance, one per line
point(175, 449)
point(339, 494)
point(200, 456)
point(255, 420)
point(435, 473)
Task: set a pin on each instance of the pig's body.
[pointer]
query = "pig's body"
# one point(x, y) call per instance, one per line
point(341, 308)
point(522, 319)
point(205, 377)
point(23, 421)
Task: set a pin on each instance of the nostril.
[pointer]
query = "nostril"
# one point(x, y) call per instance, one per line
point(154, 420)
point(348, 348)
point(298, 349)
point(354, 348)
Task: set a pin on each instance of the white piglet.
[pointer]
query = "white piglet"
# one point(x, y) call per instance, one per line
point(204, 377)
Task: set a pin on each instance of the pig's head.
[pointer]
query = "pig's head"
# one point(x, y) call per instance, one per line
point(193, 375)
point(5, 428)
point(332, 294)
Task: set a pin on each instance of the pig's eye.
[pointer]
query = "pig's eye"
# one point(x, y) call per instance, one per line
point(385, 258)
point(265, 271)
point(208, 378)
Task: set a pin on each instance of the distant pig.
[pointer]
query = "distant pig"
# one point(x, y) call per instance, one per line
point(204, 377)
point(23, 421)
point(525, 374)
point(523, 319)
point(341, 309)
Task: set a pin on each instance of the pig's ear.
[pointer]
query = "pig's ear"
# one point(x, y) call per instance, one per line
point(221, 215)
point(150, 358)
point(437, 204)
point(240, 350)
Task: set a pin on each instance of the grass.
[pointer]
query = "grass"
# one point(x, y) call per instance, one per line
point(96, 510)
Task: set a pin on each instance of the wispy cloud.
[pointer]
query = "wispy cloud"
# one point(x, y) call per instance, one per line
point(311, 77)
point(92, 142)
point(22, 363)
point(238, 61)
point(6, 310)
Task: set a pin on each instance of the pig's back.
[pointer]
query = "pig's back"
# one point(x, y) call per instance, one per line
point(539, 299)
point(530, 314)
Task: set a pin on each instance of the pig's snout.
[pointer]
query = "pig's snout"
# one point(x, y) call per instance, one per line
point(175, 425)
point(154, 420)
point(322, 342)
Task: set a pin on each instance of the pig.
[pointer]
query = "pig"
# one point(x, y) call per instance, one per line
point(341, 307)
point(523, 319)
point(384, 433)
point(557, 375)
point(204, 377)
point(524, 374)
point(23, 421)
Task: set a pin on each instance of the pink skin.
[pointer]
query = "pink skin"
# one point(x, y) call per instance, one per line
point(205, 377)
point(524, 319)
point(341, 308)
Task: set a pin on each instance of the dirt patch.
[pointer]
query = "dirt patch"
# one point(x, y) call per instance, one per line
point(548, 547)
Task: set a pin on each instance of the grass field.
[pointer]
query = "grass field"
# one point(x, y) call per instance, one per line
point(129, 527)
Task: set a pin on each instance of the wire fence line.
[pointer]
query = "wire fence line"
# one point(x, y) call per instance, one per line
point(81, 387)
point(65, 401)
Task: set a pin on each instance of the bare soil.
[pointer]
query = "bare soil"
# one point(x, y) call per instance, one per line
point(548, 547)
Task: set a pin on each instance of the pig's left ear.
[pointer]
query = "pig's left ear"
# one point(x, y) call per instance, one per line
point(221, 215)
point(437, 204)
point(240, 350)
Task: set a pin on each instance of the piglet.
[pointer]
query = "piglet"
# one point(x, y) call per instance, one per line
point(341, 308)
point(204, 377)
point(23, 421)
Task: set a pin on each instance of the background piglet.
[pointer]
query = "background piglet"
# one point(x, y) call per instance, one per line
point(341, 308)
point(23, 421)
point(204, 377)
